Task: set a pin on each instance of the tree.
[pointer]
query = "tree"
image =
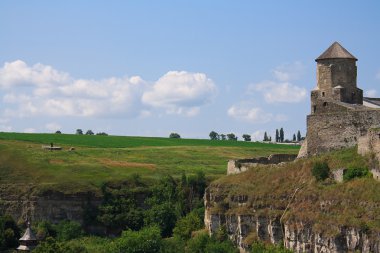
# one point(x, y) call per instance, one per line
point(266, 137)
point(79, 131)
point(102, 133)
point(298, 135)
point(277, 136)
point(89, 132)
point(294, 137)
point(281, 135)
point(232, 137)
point(214, 135)
point(175, 136)
point(270, 138)
point(147, 240)
point(222, 137)
point(58, 132)
point(186, 225)
point(246, 137)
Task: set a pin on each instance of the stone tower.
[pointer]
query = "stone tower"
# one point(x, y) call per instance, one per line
point(336, 79)
point(338, 117)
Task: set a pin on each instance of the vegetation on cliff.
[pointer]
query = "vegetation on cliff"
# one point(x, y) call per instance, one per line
point(292, 193)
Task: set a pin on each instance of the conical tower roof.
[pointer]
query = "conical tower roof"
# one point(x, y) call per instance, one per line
point(28, 235)
point(336, 51)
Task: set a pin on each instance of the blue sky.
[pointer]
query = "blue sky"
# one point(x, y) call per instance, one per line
point(149, 68)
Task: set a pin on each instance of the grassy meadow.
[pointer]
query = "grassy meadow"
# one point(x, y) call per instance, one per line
point(99, 159)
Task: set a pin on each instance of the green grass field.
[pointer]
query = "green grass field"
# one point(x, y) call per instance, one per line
point(98, 159)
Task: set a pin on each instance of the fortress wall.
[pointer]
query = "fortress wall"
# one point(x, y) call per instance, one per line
point(332, 131)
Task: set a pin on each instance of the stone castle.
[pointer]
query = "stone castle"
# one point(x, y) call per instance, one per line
point(340, 114)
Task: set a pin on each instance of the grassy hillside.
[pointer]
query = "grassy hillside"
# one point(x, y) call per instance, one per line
point(269, 190)
point(98, 159)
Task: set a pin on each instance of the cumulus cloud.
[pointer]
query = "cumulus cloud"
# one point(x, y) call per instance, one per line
point(281, 89)
point(42, 90)
point(288, 72)
point(370, 93)
point(180, 92)
point(253, 114)
point(279, 92)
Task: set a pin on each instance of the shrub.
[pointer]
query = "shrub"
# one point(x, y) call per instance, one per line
point(320, 171)
point(68, 230)
point(355, 173)
point(147, 240)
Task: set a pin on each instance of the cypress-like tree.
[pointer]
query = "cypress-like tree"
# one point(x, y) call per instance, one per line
point(299, 136)
point(281, 135)
point(265, 136)
point(294, 137)
point(277, 136)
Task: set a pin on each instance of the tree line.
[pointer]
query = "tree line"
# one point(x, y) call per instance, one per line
point(279, 136)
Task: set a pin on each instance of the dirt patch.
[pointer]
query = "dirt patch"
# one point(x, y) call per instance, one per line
point(125, 164)
point(56, 161)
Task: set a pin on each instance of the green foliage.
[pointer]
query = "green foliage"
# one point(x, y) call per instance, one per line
point(246, 137)
point(266, 137)
point(173, 245)
point(352, 173)
point(120, 209)
point(299, 135)
point(202, 243)
point(52, 246)
point(164, 216)
point(147, 240)
point(320, 170)
point(186, 225)
point(9, 233)
point(214, 135)
point(89, 132)
point(68, 230)
point(175, 136)
point(45, 229)
point(232, 137)
point(79, 131)
point(260, 247)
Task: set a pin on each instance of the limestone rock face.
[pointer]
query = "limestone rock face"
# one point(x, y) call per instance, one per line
point(245, 226)
point(51, 206)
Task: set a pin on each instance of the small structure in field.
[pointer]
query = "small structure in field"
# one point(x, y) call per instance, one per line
point(51, 147)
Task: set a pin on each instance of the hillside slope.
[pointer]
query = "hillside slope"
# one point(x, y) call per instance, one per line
point(286, 204)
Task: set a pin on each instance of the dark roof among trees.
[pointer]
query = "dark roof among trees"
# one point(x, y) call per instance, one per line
point(336, 51)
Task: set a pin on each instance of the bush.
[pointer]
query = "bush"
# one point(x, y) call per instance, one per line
point(68, 230)
point(147, 240)
point(186, 225)
point(354, 173)
point(175, 136)
point(320, 171)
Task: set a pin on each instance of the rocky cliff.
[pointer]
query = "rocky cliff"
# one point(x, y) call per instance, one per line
point(286, 205)
point(22, 201)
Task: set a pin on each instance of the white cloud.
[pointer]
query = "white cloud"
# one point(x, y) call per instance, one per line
point(29, 130)
point(281, 89)
point(288, 72)
point(41, 90)
point(370, 93)
point(19, 73)
point(181, 92)
point(251, 114)
point(52, 126)
point(279, 92)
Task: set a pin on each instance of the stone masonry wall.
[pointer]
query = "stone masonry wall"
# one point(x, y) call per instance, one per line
point(332, 131)
point(239, 166)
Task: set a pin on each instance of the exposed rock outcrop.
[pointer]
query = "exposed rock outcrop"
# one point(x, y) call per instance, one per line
point(246, 221)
